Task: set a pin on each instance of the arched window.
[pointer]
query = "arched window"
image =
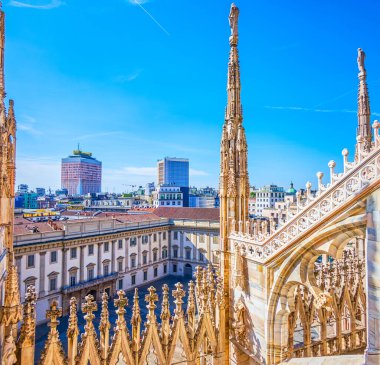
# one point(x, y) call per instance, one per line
point(145, 257)
point(175, 251)
point(155, 254)
point(164, 252)
point(188, 253)
point(133, 260)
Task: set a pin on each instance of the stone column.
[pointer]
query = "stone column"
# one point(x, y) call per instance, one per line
point(194, 241)
point(42, 274)
point(138, 251)
point(209, 253)
point(113, 256)
point(81, 263)
point(99, 264)
point(126, 254)
point(64, 266)
point(372, 352)
point(159, 246)
point(180, 244)
point(18, 266)
point(150, 249)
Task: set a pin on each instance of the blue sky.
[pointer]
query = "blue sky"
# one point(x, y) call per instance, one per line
point(136, 83)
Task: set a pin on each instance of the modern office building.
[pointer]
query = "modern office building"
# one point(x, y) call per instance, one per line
point(175, 171)
point(81, 173)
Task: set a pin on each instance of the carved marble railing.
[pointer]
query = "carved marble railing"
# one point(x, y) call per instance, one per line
point(261, 242)
point(184, 336)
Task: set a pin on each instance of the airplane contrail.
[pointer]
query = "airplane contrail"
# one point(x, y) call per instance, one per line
point(152, 17)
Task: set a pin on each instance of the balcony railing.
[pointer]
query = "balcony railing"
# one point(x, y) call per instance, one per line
point(84, 284)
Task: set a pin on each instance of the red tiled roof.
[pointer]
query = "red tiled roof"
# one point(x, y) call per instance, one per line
point(24, 226)
point(211, 214)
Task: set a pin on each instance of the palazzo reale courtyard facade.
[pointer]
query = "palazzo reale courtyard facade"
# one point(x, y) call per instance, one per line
point(303, 291)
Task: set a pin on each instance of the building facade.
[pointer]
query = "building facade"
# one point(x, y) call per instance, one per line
point(267, 196)
point(81, 173)
point(168, 196)
point(175, 171)
point(108, 252)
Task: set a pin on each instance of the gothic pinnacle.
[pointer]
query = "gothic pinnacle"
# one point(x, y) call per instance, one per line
point(364, 130)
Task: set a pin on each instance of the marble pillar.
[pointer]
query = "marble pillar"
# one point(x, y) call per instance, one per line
point(373, 279)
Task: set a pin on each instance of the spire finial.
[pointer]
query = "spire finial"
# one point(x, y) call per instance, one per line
point(233, 19)
point(364, 130)
point(361, 58)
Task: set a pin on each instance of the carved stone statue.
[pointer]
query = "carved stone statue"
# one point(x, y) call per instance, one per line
point(239, 325)
point(9, 352)
point(361, 58)
point(233, 18)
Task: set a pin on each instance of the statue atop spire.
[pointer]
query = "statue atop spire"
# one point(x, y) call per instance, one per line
point(233, 19)
point(361, 58)
point(364, 131)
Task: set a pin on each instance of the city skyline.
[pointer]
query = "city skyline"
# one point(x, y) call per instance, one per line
point(62, 85)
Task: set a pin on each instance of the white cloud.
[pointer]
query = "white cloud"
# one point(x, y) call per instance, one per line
point(28, 129)
point(38, 171)
point(26, 125)
point(141, 171)
point(193, 172)
point(128, 78)
point(44, 6)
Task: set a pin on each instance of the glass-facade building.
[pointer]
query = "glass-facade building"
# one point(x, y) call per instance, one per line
point(175, 171)
point(81, 174)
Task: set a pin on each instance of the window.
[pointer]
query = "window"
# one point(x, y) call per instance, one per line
point(120, 265)
point(73, 279)
point(133, 261)
point(73, 253)
point(165, 269)
point(145, 275)
point(155, 272)
point(174, 268)
point(215, 258)
point(154, 255)
point(106, 246)
point(145, 258)
point(201, 238)
point(188, 253)
point(120, 284)
point(90, 250)
point(154, 237)
point(120, 244)
point(175, 235)
point(164, 235)
point(30, 281)
point(133, 279)
point(106, 269)
point(30, 262)
point(215, 240)
point(53, 257)
point(164, 252)
point(145, 240)
point(175, 251)
point(53, 283)
point(90, 273)
point(201, 256)
point(133, 241)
